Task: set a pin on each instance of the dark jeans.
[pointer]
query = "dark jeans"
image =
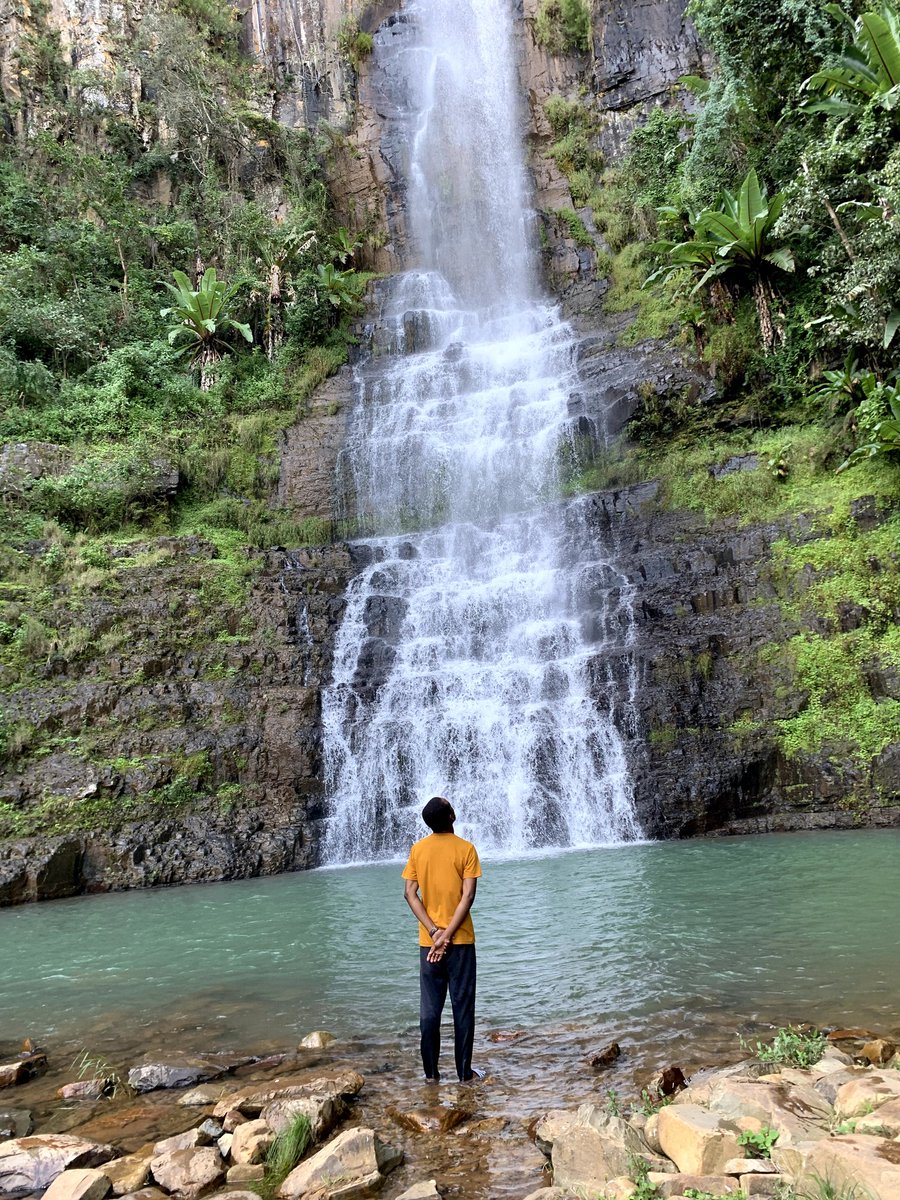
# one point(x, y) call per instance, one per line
point(455, 971)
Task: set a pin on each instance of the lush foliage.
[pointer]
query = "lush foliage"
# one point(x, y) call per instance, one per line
point(563, 25)
point(137, 246)
point(793, 1047)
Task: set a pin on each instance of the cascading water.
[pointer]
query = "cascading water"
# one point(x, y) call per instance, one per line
point(466, 664)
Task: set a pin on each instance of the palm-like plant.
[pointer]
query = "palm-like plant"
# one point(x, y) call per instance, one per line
point(198, 317)
point(342, 289)
point(868, 71)
point(735, 239)
point(885, 435)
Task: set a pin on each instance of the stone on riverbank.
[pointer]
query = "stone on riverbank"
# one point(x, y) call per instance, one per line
point(682, 1182)
point(131, 1173)
point(189, 1172)
point(879, 1051)
point(251, 1141)
point(174, 1074)
point(696, 1139)
point(319, 1039)
point(147, 1193)
point(591, 1147)
point(79, 1184)
point(30, 1164)
point(427, 1190)
point(15, 1123)
point(353, 1164)
point(181, 1141)
point(867, 1093)
point(867, 1166)
point(335, 1083)
point(246, 1173)
point(322, 1112)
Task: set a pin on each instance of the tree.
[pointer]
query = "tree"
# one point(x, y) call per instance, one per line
point(868, 71)
point(201, 316)
point(732, 241)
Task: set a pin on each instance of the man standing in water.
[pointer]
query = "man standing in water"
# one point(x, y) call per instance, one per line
point(441, 876)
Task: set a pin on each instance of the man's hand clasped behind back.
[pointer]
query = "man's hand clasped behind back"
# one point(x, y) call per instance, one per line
point(439, 944)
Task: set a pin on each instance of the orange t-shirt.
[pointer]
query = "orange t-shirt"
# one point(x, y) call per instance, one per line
point(439, 863)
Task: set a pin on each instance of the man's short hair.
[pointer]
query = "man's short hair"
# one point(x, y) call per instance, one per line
point(438, 815)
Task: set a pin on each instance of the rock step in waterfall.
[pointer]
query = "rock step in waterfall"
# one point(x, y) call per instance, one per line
point(465, 663)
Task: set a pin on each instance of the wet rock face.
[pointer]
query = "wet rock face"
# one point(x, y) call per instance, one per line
point(248, 712)
point(705, 601)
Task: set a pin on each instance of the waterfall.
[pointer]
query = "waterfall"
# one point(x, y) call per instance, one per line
point(473, 659)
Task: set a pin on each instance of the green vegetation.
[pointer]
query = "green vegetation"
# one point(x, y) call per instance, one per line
point(354, 43)
point(793, 1047)
point(286, 1151)
point(759, 1144)
point(173, 285)
point(562, 25)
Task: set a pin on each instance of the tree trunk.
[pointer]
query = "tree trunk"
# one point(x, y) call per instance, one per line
point(207, 360)
point(764, 296)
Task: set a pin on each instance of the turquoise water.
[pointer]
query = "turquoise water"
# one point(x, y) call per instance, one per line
point(661, 942)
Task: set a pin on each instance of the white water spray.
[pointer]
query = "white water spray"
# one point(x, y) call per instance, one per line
point(467, 661)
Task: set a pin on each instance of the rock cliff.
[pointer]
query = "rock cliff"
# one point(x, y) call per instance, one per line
point(185, 743)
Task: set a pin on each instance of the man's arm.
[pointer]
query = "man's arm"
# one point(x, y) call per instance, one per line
point(444, 937)
point(412, 898)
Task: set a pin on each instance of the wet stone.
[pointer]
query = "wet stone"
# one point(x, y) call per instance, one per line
point(15, 1123)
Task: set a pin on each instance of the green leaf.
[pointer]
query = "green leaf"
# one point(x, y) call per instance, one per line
point(891, 325)
point(883, 48)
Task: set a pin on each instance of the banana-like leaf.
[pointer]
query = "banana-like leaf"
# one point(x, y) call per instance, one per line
point(891, 325)
point(750, 199)
point(881, 43)
point(781, 257)
point(722, 227)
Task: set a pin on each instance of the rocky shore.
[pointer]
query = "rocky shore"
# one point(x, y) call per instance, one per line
point(806, 1117)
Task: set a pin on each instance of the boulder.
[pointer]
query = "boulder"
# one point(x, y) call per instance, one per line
point(551, 1193)
point(147, 1193)
point(173, 1073)
point(696, 1140)
point(246, 1173)
point(763, 1185)
point(20, 1070)
point(593, 1148)
point(251, 1141)
point(866, 1093)
point(796, 1110)
point(866, 1166)
point(322, 1112)
point(605, 1057)
point(15, 1123)
point(212, 1129)
point(232, 1119)
point(224, 1144)
point(884, 1121)
point(189, 1172)
point(317, 1040)
point(30, 1164)
point(78, 1184)
point(748, 1166)
point(678, 1184)
point(356, 1158)
point(421, 1191)
point(879, 1051)
point(181, 1141)
point(204, 1094)
point(336, 1083)
point(129, 1174)
point(83, 1089)
point(551, 1126)
point(651, 1133)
